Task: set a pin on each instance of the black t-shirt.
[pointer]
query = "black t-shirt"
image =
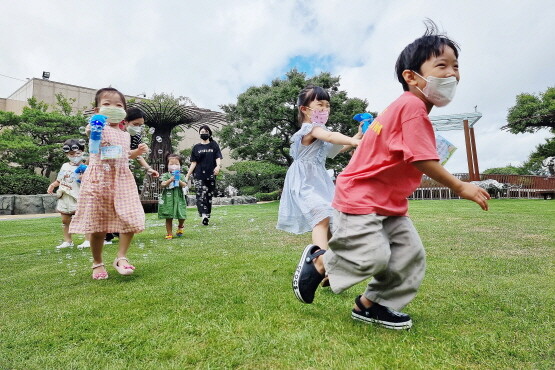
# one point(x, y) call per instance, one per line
point(205, 155)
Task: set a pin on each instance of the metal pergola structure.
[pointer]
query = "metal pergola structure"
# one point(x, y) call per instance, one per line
point(162, 118)
point(466, 122)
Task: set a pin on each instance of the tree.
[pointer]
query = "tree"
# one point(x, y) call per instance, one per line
point(534, 163)
point(261, 123)
point(33, 139)
point(532, 113)
point(164, 112)
point(507, 170)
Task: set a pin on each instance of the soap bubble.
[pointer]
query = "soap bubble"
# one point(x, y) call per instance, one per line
point(158, 139)
point(146, 193)
point(155, 195)
point(82, 130)
point(153, 184)
point(159, 151)
point(162, 166)
point(141, 187)
point(82, 142)
point(151, 130)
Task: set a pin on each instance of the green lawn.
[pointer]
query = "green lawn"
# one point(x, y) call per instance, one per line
point(220, 297)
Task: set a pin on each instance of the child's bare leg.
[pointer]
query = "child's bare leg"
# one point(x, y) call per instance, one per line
point(124, 243)
point(169, 225)
point(181, 223)
point(97, 243)
point(320, 234)
point(66, 220)
point(365, 302)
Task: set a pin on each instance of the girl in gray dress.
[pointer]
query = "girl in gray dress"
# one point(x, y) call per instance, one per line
point(308, 190)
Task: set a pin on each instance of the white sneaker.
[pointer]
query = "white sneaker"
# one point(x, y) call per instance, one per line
point(65, 245)
point(85, 244)
point(107, 242)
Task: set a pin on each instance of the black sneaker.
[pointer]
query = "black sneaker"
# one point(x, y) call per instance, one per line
point(381, 315)
point(205, 221)
point(306, 277)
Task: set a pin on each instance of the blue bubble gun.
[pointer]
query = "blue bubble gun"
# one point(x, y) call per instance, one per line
point(79, 170)
point(176, 174)
point(367, 118)
point(97, 122)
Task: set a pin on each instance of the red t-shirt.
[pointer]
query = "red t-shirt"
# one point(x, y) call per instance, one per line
point(380, 176)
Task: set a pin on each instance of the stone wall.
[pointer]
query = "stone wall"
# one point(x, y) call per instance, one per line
point(46, 203)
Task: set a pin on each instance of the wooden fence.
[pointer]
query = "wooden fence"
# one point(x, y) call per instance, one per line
point(518, 186)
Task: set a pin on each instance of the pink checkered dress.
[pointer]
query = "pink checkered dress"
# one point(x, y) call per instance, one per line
point(108, 201)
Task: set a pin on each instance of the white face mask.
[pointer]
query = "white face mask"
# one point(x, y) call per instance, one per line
point(114, 114)
point(134, 130)
point(174, 167)
point(439, 91)
point(75, 160)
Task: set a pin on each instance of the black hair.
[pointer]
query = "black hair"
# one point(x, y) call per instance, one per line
point(205, 127)
point(108, 90)
point(173, 155)
point(72, 142)
point(308, 95)
point(133, 114)
point(421, 49)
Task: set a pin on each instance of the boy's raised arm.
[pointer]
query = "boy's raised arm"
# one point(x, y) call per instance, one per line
point(465, 190)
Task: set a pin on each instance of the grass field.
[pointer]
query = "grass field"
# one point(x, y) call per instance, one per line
point(220, 297)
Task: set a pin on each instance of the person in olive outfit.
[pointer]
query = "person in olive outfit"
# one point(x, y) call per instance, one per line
point(206, 157)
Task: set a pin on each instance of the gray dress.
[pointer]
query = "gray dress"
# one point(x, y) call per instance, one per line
point(308, 189)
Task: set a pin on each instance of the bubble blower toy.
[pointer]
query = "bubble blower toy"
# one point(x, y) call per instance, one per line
point(176, 175)
point(80, 170)
point(367, 118)
point(97, 122)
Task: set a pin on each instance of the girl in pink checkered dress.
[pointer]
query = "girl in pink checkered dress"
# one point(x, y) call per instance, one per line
point(109, 201)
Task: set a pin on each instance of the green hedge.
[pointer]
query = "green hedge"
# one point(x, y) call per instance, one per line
point(253, 177)
point(265, 197)
point(23, 184)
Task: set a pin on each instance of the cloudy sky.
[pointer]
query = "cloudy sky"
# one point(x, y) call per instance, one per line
point(211, 51)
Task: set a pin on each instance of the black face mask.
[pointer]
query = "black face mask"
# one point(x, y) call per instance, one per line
point(204, 136)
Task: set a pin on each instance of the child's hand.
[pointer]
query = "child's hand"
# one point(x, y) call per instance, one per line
point(152, 172)
point(217, 170)
point(475, 194)
point(50, 189)
point(359, 133)
point(142, 148)
point(88, 130)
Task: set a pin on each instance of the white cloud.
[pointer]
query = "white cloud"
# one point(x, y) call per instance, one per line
point(212, 51)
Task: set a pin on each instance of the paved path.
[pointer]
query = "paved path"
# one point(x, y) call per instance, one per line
point(27, 217)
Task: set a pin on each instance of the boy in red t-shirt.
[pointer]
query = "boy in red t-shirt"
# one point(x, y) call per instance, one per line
point(372, 233)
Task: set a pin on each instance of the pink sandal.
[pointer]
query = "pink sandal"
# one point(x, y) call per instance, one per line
point(99, 275)
point(123, 270)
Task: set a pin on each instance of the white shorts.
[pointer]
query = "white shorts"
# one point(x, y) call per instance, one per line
point(66, 204)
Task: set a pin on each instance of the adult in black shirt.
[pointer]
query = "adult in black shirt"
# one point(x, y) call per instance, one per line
point(206, 157)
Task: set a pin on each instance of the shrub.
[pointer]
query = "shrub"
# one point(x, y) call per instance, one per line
point(265, 197)
point(253, 177)
point(23, 184)
point(248, 190)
